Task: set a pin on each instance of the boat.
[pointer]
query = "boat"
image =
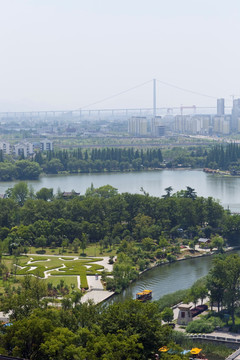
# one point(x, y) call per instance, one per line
point(196, 354)
point(144, 295)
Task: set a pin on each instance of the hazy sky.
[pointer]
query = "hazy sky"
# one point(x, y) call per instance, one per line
point(66, 54)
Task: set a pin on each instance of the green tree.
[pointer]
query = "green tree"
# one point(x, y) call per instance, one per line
point(217, 242)
point(133, 317)
point(190, 193)
point(24, 337)
point(45, 194)
point(41, 241)
point(83, 242)
point(19, 193)
point(168, 190)
point(167, 315)
point(76, 243)
point(216, 282)
point(148, 244)
point(224, 282)
point(27, 170)
point(28, 298)
point(232, 283)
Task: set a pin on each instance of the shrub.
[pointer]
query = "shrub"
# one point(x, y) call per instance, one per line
point(40, 251)
point(172, 299)
point(171, 257)
point(200, 326)
point(110, 284)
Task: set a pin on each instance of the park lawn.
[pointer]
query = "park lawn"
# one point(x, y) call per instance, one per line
point(9, 260)
point(94, 250)
point(68, 280)
point(78, 268)
point(48, 251)
point(54, 262)
point(74, 269)
point(39, 271)
point(91, 250)
point(44, 261)
point(82, 267)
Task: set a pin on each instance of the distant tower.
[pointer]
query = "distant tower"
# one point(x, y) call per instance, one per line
point(154, 108)
point(235, 115)
point(220, 107)
point(137, 126)
point(154, 98)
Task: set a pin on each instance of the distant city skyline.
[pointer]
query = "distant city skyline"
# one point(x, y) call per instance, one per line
point(62, 54)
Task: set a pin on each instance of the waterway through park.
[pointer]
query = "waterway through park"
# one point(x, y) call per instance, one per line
point(170, 277)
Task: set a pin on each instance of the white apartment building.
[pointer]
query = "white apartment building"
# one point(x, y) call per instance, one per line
point(5, 147)
point(25, 149)
point(46, 145)
point(221, 124)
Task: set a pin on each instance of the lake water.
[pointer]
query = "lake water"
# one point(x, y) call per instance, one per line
point(224, 188)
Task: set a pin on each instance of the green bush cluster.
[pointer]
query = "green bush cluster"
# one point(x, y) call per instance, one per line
point(204, 325)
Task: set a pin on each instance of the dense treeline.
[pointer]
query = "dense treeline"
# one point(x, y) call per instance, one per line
point(75, 161)
point(224, 157)
point(98, 160)
point(123, 331)
point(107, 217)
point(119, 159)
point(20, 170)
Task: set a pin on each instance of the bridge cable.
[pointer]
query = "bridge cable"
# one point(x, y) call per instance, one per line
point(115, 95)
point(186, 90)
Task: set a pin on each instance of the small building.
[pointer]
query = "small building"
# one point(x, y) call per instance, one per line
point(68, 195)
point(46, 145)
point(204, 242)
point(184, 315)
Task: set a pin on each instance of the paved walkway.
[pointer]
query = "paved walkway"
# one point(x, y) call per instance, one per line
point(96, 291)
point(96, 296)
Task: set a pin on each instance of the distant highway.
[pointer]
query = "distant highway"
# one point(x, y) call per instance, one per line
point(127, 145)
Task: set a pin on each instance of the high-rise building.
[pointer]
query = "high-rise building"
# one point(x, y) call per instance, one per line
point(137, 125)
point(220, 107)
point(235, 114)
point(155, 123)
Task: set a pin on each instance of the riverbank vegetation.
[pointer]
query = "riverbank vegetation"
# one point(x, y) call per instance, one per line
point(224, 158)
point(80, 161)
point(96, 160)
point(100, 160)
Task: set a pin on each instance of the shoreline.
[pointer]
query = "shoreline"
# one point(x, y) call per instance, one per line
point(229, 249)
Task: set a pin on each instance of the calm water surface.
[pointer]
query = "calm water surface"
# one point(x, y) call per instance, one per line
point(225, 189)
point(168, 278)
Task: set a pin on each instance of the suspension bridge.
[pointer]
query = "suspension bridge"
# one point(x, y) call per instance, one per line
point(88, 112)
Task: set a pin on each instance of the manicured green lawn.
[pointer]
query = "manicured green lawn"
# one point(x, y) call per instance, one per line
point(61, 267)
point(68, 280)
point(91, 250)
